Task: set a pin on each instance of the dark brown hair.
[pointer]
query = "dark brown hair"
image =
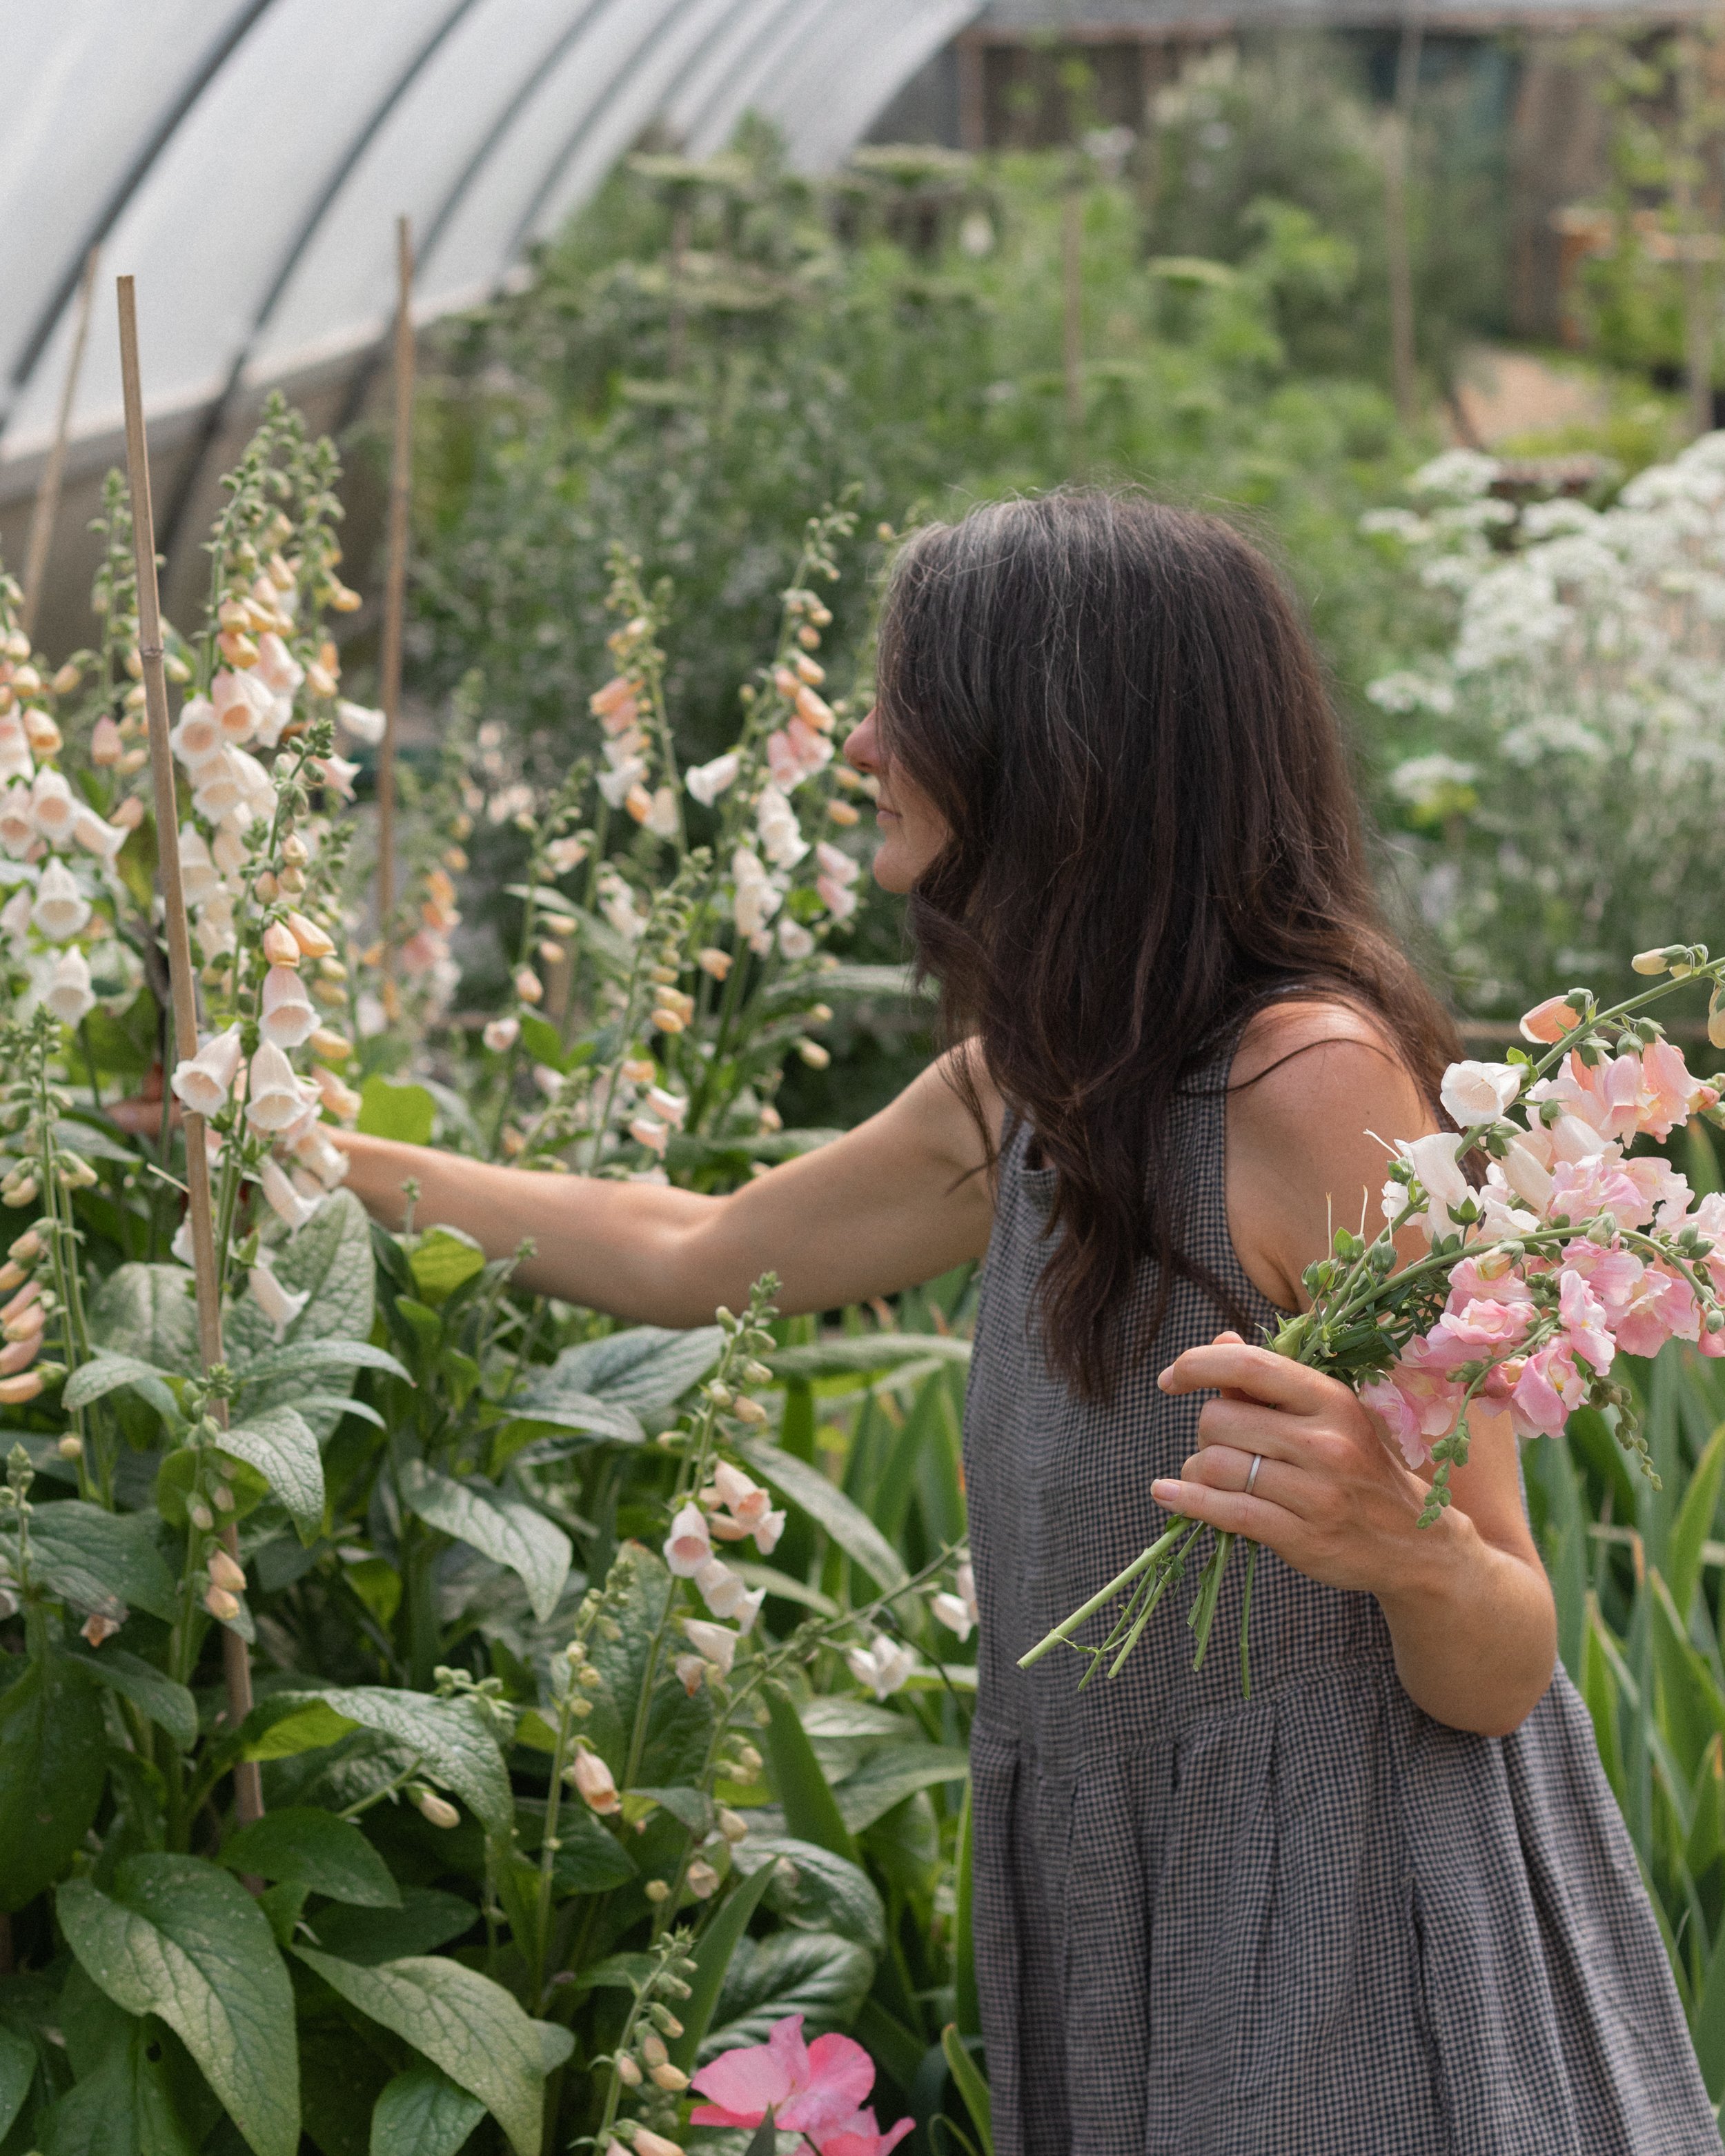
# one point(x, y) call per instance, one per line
point(1118, 710)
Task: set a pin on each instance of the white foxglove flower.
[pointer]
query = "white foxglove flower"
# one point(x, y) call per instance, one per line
point(201, 1082)
point(661, 816)
point(1433, 1161)
point(502, 1034)
point(228, 849)
point(957, 1611)
point(196, 736)
point(794, 940)
point(687, 1547)
point(782, 838)
point(241, 701)
point(61, 909)
point(282, 1196)
point(328, 1163)
point(181, 1246)
point(257, 786)
point(17, 824)
point(280, 1305)
point(287, 1017)
point(614, 785)
point(650, 1131)
point(337, 774)
point(197, 871)
point(97, 835)
point(15, 914)
point(669, 1107)
point(273, 1098)
point(757, 894)
point(714, 1643)
point(68, 994)
point(1480, 1093)
point(53, 807)
point(359, 720)
point(218, 790)
point(883, 1666)
point(16, 762)
point(707, 782)
point(721, 1589)
point(276, 667)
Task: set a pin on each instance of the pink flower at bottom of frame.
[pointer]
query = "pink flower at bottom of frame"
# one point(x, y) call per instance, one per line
point(861, 2136)
point(815, 2089)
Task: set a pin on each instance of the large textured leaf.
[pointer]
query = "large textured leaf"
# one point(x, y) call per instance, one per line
point(849, 1525)
point(146, 1311)
point(314, 1849)
point(504, 1529)
point(128, 2106)
point(894, 1773)
point(167, 1703)
point(426, 1919)
point(422, 2112)
point(461, 2022)
point(589, 1857)
point(813, 1973)
point(443, 1259)
point(106, 1372)
point(99, 1561)
point(679, 1728)
point(646, 1368)
point(451, 1737)
point(329, 1260)
point(279, 1444)
point(181, 1938)
point(52, 1764)
point(17, 2069)
point(822, 1892)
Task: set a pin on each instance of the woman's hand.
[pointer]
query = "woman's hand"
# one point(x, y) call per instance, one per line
point(1329, 1497)
point(1467, 1599)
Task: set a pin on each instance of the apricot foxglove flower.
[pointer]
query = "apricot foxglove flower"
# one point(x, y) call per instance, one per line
point(52, 807)
point(361, 721)
point(688, 1547)
point(713, 1642)
point(593, 1778)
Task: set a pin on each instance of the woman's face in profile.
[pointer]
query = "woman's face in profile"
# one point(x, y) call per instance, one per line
point(912, 829)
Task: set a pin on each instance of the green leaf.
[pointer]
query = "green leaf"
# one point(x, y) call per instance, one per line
point(107, 1374)
point(443, 1259)
point(1706, 2025)
point(305, 1356)
point(859, 1355)
point(828, 1893)
point(422, 2112)
point(330, 1262)
point(128, 2104)
point(896, 1771)
point(462, 2022)
point(180, 1939)
point(426, 1919)
point(451, 1737)
point(53, 1751)
point(99, 1561)
point(712, 1959)
point(390, 1110)
point(813, 1973)
point(847, 1524)
point(540, 1403)
point(17, 2069)
point(679, 1728)
point(316, 1850)
point(810, 1812)
point(542, 1041)
point(971, 2086)
point(1694, 1522)
point(283, 1726)
point(279, 1444)
point(966, 1999)
point(167, 1704)
point(590, 1859)
point(146, 1311)
point(504, 1529)
point(645, 1368)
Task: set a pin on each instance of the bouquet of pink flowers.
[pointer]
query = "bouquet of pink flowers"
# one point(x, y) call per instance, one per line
point(1549, 1248)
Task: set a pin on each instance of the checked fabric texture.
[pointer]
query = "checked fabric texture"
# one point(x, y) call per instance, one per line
point(1317, 1923)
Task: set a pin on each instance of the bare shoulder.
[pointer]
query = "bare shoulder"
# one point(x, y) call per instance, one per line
point(1317, 1096)
point(937, 1107)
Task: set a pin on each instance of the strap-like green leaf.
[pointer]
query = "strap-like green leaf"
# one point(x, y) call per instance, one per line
point(711, 1958)
point(810, 1812)
point(972, 2087)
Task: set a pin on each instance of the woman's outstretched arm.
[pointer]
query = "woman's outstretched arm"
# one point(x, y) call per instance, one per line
point(899, 1199)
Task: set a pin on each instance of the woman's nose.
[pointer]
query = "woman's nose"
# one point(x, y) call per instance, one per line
point(862, 744)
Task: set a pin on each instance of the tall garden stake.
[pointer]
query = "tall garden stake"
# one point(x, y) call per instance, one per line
point(395, 590)
point(48, 495)
point(236, 1668)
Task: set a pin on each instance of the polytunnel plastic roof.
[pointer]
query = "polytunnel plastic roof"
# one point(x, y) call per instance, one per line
point(246, 160)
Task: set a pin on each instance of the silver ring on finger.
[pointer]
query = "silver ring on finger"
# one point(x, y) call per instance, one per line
point(1252, 1471)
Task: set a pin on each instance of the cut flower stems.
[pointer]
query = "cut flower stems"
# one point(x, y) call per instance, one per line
point(1549, 1249)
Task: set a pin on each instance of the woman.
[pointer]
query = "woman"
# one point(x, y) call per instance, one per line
point(1388, 1905)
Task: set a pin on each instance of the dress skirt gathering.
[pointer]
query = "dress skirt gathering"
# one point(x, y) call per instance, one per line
point(1314, 1924)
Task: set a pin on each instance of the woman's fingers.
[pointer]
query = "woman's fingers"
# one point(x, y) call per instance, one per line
point(1250, 1426)
point(1231, 1511)
point(1254, 1374)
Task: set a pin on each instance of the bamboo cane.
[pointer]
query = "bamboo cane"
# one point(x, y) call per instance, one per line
point(247, 1786)
point(1397, 142)
point(48, 495)
point(395, 590)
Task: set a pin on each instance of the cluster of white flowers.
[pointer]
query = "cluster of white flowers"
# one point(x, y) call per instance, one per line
point(1573, 775)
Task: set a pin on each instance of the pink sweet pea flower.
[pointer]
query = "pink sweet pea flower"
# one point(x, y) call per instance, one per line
point(815, 2089)
point(861, 2136)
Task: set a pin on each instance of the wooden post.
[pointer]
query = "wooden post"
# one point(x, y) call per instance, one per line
point(48, 493)
point(395, 590)
point(1696, 249)
point(1404, 358)
point(247, 1786)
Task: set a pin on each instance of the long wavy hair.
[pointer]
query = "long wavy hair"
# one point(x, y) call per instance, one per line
point(1118, 710)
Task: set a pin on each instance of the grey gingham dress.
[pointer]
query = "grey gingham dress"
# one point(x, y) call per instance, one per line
point(1317, 1923)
